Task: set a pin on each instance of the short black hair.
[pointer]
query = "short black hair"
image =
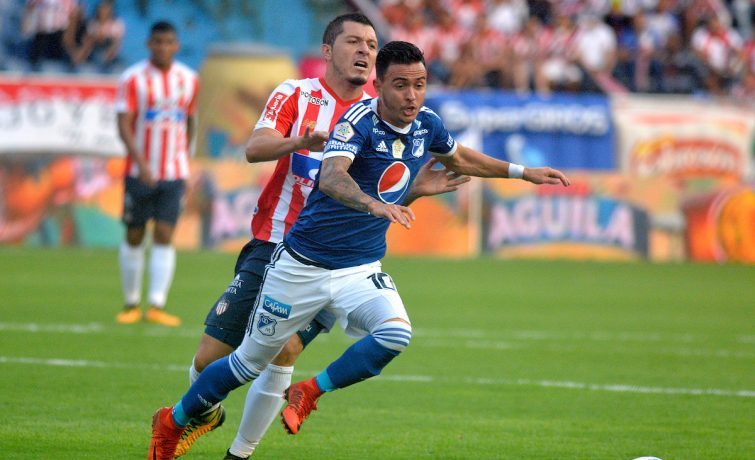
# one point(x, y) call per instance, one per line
point(161, 27)
point(335, 27)
point(397, 52)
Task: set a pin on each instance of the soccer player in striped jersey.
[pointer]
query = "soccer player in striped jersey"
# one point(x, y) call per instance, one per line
point(156, 104)
point(331, 257)
point(291, 130)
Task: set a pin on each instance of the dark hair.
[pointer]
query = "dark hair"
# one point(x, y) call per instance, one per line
point(335, 27)
point(397, 52)
point(161, 27)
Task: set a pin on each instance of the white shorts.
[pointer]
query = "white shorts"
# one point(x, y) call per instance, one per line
point(293, 292)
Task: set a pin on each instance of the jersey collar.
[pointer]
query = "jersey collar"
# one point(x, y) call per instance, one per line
point(337, 98)
point(405, 130)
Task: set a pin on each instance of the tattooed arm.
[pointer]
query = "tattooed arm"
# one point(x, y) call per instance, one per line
point(336, 182)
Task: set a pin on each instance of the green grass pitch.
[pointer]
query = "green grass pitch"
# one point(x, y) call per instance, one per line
point(510, 360)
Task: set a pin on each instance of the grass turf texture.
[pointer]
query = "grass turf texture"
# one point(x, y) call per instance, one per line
point(510, 360)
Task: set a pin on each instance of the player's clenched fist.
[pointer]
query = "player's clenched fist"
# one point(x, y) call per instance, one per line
point(393, 212)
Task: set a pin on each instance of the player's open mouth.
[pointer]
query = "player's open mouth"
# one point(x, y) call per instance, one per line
point(361, 64)
point(409, 111)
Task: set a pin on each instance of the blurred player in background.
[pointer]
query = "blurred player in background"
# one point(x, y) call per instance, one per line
point(331, 257)
point(292, 130)
point(156, 104)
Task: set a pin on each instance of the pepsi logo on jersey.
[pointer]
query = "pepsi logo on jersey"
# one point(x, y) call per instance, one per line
point(394, 182)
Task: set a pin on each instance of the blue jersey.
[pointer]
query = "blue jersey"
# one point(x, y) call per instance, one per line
point(385, 161)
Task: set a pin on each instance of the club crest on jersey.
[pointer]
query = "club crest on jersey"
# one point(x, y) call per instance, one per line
point(418, 147)
point(397, 148)
point(266, 325)
point(275, 307)
point(343, 131)
point(394, 182)
point(221, 307)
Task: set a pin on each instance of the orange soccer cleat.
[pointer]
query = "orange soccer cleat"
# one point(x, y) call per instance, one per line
point(165, 435)
point(129, 315)
point(302, 399)
point(159, 316)
point(199, 427)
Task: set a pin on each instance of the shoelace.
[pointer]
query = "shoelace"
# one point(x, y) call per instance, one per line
point(302, 405)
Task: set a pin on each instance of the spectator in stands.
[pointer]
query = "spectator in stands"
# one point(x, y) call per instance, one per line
point(466, 12)
point(695, 11)
point(680, 69)
point(104, 35)
point(484, 59)
point(45, 22)
point(718, 48)
point(638, 50)
point(508, 16)
point(559, 70)
point(412, 29)
point(528, 49)
point(663, 22)
point(446, 47)
point(73, 37)
point(596, 54)
point(542, 9)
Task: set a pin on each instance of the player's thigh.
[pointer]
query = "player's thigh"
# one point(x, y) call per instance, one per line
point(291, 295)
point(168, 200)
point(366, 300)
point(228, 318)
point(138, 202)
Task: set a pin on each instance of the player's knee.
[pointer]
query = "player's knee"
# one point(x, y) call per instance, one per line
point(290, 352)
point(251, 358)
point(393, 335)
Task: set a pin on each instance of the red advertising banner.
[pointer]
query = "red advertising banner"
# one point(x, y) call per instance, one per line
point(58, 115)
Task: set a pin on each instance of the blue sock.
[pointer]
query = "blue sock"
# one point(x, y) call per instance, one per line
point(212, 386)
point(364, 359)
point(179, 415)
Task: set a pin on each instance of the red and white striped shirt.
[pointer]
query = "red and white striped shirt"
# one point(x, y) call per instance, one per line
point(292, 107)
point(162, 102)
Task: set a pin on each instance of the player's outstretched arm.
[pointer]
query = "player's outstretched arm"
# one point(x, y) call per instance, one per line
point(473, 163)
point(267, 144)
point(336, 182)
point(431, 181)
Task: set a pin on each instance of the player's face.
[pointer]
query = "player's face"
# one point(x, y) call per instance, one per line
point(353, 53)
point(402, 93)
point(162, 47)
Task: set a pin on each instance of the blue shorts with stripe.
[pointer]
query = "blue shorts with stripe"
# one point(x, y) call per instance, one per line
point(228, 318)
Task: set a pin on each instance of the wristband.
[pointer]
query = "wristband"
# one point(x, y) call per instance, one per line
point(516, 171)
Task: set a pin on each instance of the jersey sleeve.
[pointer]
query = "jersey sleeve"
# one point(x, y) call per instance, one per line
point(125, 98)
point(442, 144)
point(346, 140)
point(281, 108)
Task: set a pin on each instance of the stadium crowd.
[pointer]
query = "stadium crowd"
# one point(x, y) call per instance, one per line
point(649, 46)
point(658, 46)
point(57, 35)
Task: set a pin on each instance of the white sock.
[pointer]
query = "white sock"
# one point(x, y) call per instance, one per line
point(131, 261)
point(162, 263)
point(263, 403)
point(193, 373)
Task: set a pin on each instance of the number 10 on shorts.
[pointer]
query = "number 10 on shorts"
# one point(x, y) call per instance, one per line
point(382, 281)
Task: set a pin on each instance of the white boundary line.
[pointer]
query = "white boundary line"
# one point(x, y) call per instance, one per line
point(438, 338)
point(614, 388)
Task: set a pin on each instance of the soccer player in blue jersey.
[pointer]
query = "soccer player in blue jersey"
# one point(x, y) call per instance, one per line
point(331, 257)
